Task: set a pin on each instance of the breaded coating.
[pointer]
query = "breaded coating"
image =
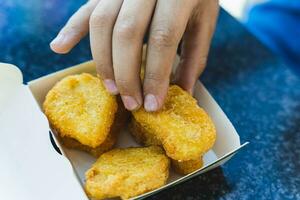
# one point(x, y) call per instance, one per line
point(186, 167)
point(144, 137)
point(107, 145)
point(184, 129)
point(121, 117)
point(79, 107)
point(127, 172)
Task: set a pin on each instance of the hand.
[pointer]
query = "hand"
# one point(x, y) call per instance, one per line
point(117, 29)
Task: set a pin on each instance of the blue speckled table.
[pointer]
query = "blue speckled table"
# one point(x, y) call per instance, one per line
point(258, 92)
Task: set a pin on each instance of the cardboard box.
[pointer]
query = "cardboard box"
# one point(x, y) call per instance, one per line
point(30, 168)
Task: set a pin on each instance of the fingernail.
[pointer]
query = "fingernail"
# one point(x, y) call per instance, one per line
point(59, 40)
point(111, 86)
point(130, 103)
point(150, 103)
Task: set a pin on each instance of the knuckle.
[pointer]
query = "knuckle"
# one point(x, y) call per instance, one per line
point(155, 78)
point(126, 30)
point(123, 83)
point(98, 20)
point(163, 37)
point(71, 29)
point(125, 86)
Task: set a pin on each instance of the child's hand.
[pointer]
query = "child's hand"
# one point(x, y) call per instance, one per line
point(117, 29)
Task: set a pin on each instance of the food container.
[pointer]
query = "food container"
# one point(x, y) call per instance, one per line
point(31, 168)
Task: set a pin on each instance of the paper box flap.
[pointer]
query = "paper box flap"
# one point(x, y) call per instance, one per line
point(30, 168)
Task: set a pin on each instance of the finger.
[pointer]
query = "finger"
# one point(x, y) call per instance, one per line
point(168, 25)
point(129, 30)
point(102, 22)
point(75, 29)
point(195, 45)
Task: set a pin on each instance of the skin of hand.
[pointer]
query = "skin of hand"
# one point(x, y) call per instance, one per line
point(117, 29)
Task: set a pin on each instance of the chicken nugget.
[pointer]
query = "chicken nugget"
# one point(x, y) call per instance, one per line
point(107, 145)
point(79, 107)
point(120, 119)
point(144, 137)
point(184, 129)
point(127, 172)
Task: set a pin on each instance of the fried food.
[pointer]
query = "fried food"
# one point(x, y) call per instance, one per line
point(79, 108)
point(184, 129)
point(147, 138)
point(142, 135)
point(186, 167)
point(97, 151)
point(120, 119)
point(127, 172)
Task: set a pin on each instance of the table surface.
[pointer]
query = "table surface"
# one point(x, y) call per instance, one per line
point(260, 95)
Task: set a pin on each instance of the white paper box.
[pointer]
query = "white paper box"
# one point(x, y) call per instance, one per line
point(30, 168)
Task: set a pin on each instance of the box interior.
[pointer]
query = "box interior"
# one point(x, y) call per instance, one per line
point(227, 142)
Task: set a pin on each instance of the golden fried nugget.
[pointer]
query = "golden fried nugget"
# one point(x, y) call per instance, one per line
point(184, 129)
point(144, 137)
point(79, 107)
point(120, 119)
point(127, 172)
point(107, 145)
point(186, 167)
